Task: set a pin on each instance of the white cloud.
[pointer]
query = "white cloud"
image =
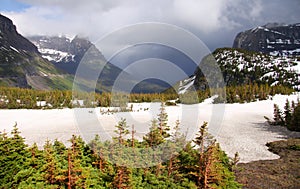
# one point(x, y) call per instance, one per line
point(94, 18)
point(205, 16)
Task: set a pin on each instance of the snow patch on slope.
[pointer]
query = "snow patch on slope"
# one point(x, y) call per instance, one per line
point(270, 69)
point(55, 55)
point(186, 84)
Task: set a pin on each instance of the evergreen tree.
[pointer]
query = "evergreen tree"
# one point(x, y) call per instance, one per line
point(163, 121)
point(278, 120)
point(154, 137)
point(291, 116)
point(177, 142)
point(13, 157)
point(122, 179)
point(295, 121)
point(287, 114)
point(121, 131)
point(51, 171)
point(97, 153)
point(84, 166)
point(213, 169)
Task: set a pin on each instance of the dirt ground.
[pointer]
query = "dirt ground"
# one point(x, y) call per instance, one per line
point(278, 173)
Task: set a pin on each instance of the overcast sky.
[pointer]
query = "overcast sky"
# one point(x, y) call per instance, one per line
point(215, 22)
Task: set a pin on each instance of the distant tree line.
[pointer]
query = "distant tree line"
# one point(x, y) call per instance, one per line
point(251, 92)
point(199, 164)
point(16, 98)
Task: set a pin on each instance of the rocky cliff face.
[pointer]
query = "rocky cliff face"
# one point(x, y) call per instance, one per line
point(21, 64)
point(9, 37)
point(274, 39)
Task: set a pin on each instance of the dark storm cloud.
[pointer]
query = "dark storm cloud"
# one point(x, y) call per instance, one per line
point(216, 22)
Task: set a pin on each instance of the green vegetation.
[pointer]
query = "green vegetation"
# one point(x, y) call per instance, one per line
point(240, 67)
point(289, 118)
point(252, 92)
point(107, 164)
point(16, 98)
point(30, 70)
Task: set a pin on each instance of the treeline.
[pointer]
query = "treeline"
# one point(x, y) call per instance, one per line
point(251, 92)
point(118, 163)
point(16, 98)
point(289, 117)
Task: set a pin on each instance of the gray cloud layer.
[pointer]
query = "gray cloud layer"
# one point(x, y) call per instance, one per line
point(216, 22)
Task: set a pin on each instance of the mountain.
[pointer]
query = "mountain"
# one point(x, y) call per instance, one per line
point(66, 54)
point(273, 39)
point(240, 67)
point(22, 65)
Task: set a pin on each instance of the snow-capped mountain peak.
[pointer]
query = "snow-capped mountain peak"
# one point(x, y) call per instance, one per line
point(54, 49)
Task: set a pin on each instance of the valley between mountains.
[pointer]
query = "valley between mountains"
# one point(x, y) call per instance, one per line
point(66, 138)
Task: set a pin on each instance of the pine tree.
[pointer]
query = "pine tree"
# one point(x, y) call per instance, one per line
point(163, 121)
point(51, 169)
point(121, 131)
point(295, 121)
point(287, 114)
point(122, 179)
point(30, 176)
point(217, 172)
point(35, 157)
point(201, 140)
point(213, 168)
point(59, 147)
point(278, 120)
point(177, 142)
point(97, 153)
point(13, 157)
point(154, 137)
point(77, 160)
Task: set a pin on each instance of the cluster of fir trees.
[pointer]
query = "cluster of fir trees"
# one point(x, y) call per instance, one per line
point(16, 98)
point(199, 164)
point(251, 92)
point(289, 117)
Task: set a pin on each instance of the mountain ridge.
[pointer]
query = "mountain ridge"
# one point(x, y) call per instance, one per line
point(241, 67)
point(67, 54)
point(21, 64)
point(272, 38)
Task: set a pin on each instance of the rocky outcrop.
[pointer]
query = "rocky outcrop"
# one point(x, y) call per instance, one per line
point(9, 37)
point(273, 39)
point(22, 65)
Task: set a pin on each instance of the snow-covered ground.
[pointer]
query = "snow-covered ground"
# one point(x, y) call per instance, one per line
point(237, 127)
